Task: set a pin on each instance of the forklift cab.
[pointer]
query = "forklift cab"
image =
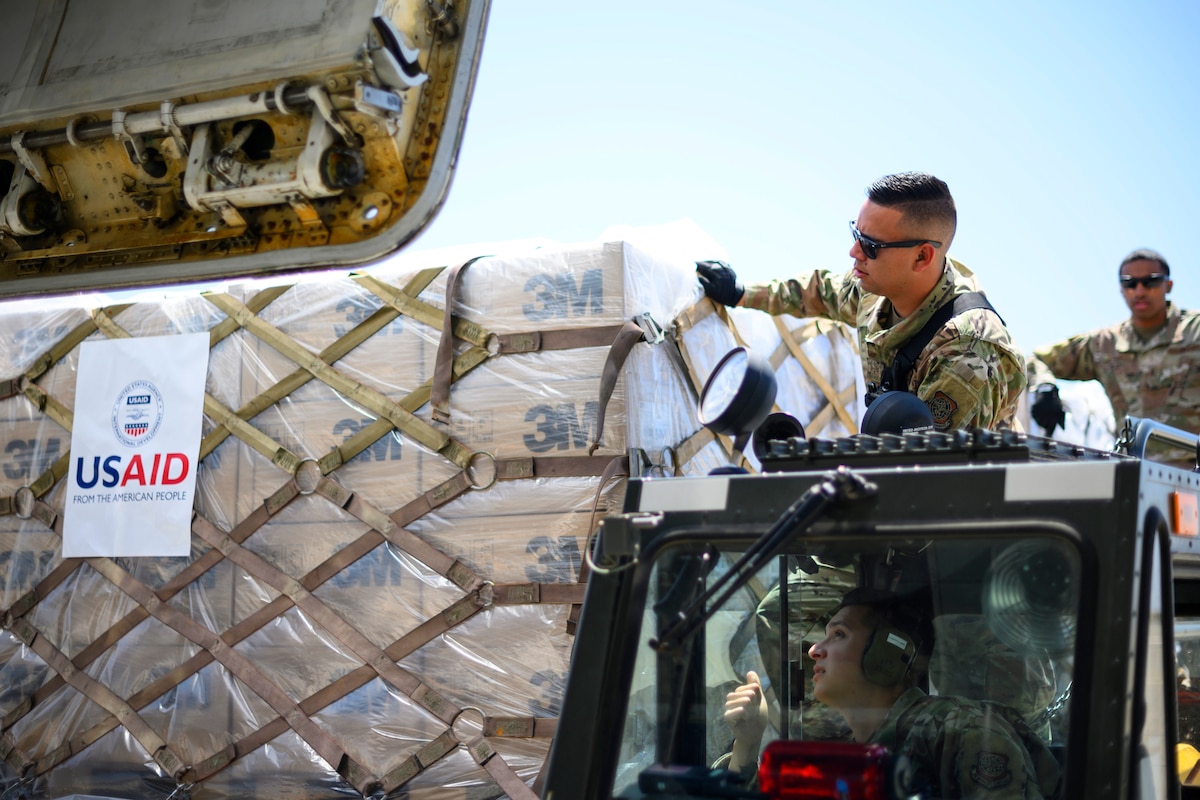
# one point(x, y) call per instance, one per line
point(1057, 583)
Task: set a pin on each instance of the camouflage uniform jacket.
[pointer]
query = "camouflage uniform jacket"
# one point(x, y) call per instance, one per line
point(1157, 379)
point(961, 748)
point(971, 373)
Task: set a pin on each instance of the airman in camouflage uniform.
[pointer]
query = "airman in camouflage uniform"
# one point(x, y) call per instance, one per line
point(1149, 364)
point(961, 748)
point(971, 374)
point(953, 747)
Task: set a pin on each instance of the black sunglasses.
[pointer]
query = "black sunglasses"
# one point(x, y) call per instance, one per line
point(872, 247)
point(1150, 281)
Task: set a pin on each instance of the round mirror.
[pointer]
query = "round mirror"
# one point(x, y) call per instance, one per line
point(738, 394)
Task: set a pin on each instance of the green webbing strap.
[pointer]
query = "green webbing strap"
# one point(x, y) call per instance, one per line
point(414, 427)
point(406, 303)
point(238, 664)
point(330, 355)
point(101, 695)
point(227, 327)
point(283, 458)
point(365, 437)
point(68, 343)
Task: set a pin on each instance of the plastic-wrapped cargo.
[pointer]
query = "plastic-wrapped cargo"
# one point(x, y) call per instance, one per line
point(379, 598)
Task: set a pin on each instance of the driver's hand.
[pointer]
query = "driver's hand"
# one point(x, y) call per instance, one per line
point(746, 709)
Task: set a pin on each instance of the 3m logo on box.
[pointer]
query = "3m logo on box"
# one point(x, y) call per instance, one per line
point(559, 296)
point(27, 458)
point(560, 427)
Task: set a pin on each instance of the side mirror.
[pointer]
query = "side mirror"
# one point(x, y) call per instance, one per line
point(738, 396)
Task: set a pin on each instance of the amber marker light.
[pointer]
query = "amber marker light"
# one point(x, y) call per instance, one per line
point(1185, 519)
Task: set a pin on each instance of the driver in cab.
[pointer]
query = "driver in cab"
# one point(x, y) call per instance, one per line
point(868, 666)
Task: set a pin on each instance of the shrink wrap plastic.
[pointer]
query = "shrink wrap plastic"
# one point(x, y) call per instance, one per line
point(464, 596)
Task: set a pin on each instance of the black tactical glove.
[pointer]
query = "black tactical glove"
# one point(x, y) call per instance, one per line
point(720, 282)
point(1047, 409)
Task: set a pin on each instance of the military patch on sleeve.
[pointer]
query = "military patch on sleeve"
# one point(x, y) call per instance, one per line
point(991, 770)
point(942, 407)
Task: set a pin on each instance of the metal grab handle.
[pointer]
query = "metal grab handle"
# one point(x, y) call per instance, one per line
point(1138, 432)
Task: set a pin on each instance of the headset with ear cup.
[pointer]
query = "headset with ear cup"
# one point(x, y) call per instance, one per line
point(889, 655)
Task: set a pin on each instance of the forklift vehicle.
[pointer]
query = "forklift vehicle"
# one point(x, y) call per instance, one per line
point(1063, 585)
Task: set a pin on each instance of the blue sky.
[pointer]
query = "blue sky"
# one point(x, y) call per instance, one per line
point(1066, 131)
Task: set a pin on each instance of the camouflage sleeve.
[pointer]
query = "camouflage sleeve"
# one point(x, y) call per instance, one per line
point(985, 759)
point(819, 293)
point(960, 750)
point(971, 382)
point(1070, 360)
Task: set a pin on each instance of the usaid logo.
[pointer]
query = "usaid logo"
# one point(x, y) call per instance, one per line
point(137, 413)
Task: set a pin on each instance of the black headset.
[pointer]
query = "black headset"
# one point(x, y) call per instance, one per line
point(890, 653)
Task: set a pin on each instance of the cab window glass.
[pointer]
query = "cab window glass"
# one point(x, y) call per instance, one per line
point(980, 629)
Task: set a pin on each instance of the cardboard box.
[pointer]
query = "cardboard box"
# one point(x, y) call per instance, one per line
point(505, 659)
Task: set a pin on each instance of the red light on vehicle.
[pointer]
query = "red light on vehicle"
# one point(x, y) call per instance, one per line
point(817, 770)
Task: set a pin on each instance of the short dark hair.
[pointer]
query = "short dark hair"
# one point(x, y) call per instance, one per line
point(910, 612)
point(919, 196)
point(1146, 254)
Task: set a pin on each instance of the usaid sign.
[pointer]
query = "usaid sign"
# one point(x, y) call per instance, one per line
point(139, 405)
